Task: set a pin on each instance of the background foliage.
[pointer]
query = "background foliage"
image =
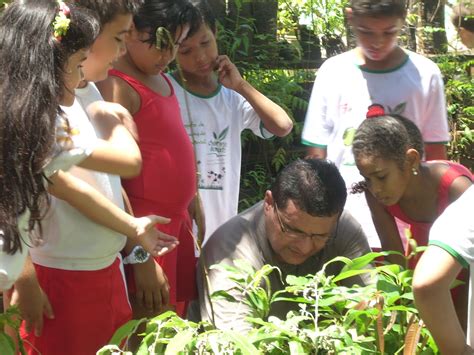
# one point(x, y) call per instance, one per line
point(285, 72)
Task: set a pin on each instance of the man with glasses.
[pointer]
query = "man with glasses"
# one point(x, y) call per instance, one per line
point(300, 225)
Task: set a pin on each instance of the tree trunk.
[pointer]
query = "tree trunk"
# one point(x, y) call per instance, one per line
point(431, 15)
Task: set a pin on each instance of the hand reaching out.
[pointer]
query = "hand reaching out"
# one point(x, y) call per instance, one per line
point(154, 241)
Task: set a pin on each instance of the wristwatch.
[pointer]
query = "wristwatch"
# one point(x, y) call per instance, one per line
point(138, 255)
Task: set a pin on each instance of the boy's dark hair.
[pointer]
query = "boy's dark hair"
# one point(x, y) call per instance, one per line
point(379, 8)
point(206, 14)
point(387, 137)
point(463, 15)
point(107, 10)
point(169, 14)
point(31, 85)
point(315, 186)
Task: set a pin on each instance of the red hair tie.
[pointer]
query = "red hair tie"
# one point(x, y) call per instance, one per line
point(375, 110)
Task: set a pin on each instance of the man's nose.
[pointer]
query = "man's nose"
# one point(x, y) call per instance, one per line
point(305, 245)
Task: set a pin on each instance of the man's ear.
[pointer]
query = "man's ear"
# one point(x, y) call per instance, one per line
point(267, 201)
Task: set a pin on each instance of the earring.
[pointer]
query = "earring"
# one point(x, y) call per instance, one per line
point(414, 171)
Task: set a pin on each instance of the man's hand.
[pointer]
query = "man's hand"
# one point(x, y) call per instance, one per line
point(228, 73)
point(151, 239)
point(102, 111)
point(152, 288)
point(32, 303)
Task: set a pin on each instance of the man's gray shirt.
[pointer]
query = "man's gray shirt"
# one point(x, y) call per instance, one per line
point(243, 237)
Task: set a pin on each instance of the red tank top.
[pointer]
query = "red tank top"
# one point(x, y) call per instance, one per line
point(420, 230)
point(168, 177)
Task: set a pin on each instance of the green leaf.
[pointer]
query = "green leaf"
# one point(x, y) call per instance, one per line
point(241, 343)
point(296, 348)
point(7, 347)
point(179, 342)
point(350, 273)
point(244, 265)
point(362, 261)
point(297, 280)
point(125, 331)
point(145, 344)
point(387, 287)
point(221, 294)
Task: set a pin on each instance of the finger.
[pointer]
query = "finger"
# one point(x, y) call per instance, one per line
point(166, 237)
point(139, 297)
point(166, 250)
point(148, 301)
point(48, 309)
point(39, 327)
point(165, 294)
point(158, 220)
point(28, 325)
point(157, 301)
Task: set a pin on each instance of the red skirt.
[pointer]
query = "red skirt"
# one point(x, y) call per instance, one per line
point(88, 307)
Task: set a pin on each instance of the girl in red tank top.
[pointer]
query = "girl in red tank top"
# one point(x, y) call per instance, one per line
point(388, 151)
point(167, 182)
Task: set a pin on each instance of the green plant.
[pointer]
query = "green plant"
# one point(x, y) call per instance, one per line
point(10, 319)
point(459, 87)
point(332, 319)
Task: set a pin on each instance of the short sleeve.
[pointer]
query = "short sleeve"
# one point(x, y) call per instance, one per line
point(317, 125)
point(12, 265)
point(70, 149)
point(251, 120)
point(434, 122)
point(453, 231)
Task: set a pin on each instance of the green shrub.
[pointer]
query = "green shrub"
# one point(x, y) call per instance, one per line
point(332, 319)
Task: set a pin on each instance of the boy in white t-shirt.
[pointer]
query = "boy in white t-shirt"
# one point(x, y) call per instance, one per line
point(217, 104)
point(376, 71)
point(451, 248)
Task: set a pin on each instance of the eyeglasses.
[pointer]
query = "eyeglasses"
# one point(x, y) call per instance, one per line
point(295, 234)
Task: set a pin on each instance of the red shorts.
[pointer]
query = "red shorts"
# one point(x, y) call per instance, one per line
point(89, 306)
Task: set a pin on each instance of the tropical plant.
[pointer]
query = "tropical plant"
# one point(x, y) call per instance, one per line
point(331, 319)
point(10, 320)
point(459, 87)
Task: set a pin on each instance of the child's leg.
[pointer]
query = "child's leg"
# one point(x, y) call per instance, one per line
point(186, 269)
point(89, 306)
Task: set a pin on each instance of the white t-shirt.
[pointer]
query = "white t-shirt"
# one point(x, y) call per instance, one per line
point(65, 156)
point(342, 93)
point(453, 231)
point(214, 127)
point(74, 242)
